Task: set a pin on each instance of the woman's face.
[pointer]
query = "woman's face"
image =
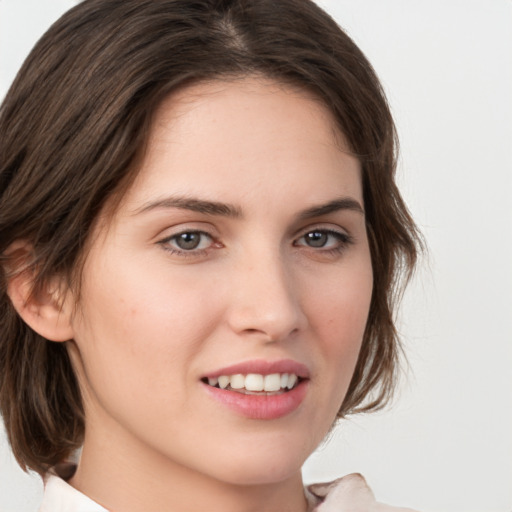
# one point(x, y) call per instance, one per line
point(240, 250)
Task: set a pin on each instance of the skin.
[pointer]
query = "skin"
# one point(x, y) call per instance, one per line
point(152, 319)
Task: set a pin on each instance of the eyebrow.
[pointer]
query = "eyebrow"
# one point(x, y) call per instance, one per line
point(342, 203)
point(195, 205)
point(229, 210)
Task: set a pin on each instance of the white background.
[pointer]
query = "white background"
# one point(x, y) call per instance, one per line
point(447, 66)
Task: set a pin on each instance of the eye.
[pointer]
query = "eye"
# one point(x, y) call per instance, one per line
point(317, 238)
point(326, 239)
point(187, 241)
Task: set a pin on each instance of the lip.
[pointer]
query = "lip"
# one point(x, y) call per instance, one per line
point(261, 407)
point(263, 367)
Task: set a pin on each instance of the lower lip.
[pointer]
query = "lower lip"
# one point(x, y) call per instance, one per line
point(260, 407)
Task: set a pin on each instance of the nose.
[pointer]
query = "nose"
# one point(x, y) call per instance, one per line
point(265, 299)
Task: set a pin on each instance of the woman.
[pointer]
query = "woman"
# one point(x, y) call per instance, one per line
point(201, 240)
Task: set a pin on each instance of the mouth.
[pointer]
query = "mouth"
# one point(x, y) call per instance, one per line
point(255, 383)
point(258, 389)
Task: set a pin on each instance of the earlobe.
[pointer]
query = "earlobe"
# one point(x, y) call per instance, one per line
point(47, 311)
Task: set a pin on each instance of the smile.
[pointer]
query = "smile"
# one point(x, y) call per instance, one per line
point(255, 383)
point(259, 389)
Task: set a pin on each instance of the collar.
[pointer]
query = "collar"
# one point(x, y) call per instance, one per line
point(59, 496)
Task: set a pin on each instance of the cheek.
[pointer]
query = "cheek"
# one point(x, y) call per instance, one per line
point(138, 332)
point(339, 316)
point(136, 308)
point(339, 308)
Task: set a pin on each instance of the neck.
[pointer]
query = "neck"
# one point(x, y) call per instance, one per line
point(139, 479)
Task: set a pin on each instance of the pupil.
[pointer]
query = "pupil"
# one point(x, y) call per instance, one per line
point(316, 239)
point(188, 240)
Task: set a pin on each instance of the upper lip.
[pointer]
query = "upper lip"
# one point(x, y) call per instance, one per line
point(263, 367)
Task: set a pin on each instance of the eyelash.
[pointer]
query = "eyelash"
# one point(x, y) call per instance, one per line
point(183, 252)
point(343, 241)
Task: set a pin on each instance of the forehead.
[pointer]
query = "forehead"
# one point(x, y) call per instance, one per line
point(244, 97)
point(211, 137)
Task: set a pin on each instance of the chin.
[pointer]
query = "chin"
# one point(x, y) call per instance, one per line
point(263, 466)
point(254, 476)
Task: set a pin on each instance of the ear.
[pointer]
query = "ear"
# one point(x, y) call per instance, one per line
point(47, 311)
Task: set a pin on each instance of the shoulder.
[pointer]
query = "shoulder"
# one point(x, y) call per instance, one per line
point(350, 491)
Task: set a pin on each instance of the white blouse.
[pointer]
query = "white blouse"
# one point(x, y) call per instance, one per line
point(59, 496)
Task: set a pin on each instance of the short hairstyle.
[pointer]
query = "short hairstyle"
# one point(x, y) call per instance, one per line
point(73, 129)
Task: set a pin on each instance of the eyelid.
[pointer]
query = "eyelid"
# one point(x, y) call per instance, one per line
point(344, 238)
point(326, 227)
point(165, 243)
point(171, 230)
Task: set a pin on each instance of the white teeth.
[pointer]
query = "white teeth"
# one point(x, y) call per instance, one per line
point(292, 380)
point(272, 382)
point(223, 381)
point(237, 381)
point(256, 382)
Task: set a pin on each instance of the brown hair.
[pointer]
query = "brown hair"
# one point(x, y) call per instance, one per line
point(74, 124)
